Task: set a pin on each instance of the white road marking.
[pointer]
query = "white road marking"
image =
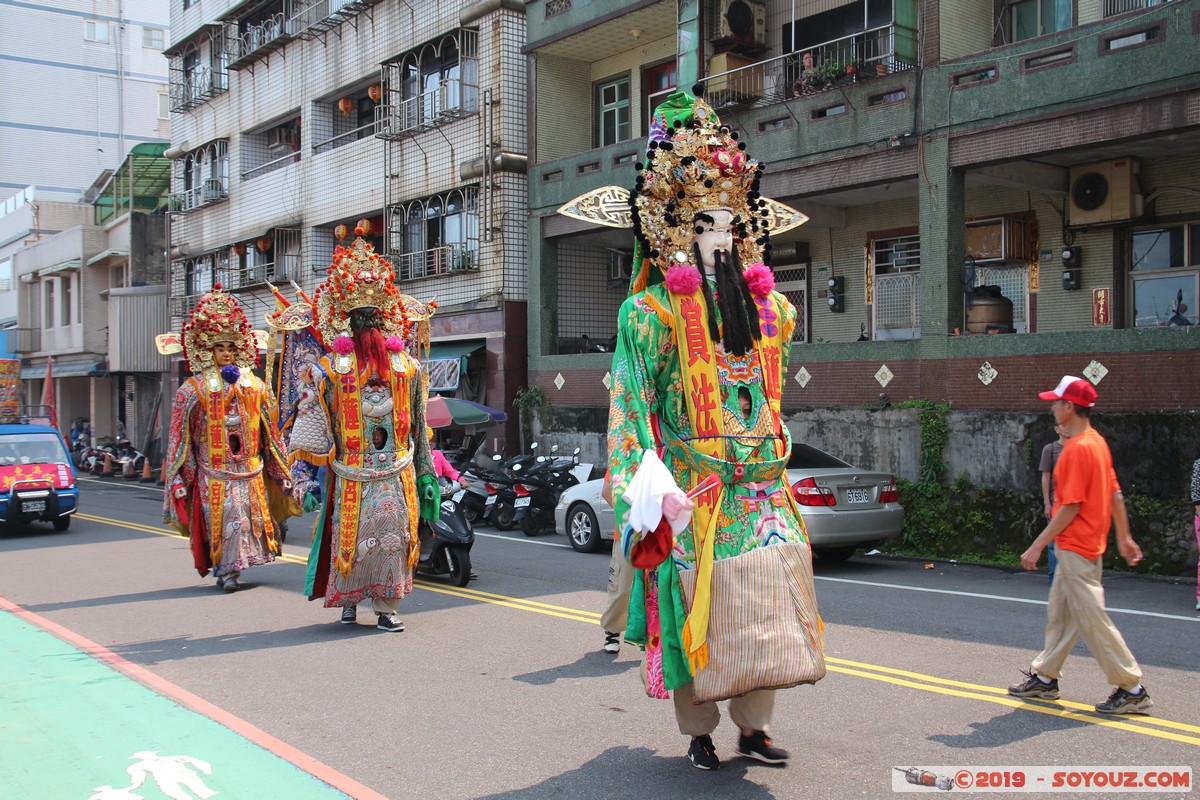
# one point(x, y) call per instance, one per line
point(999, 597)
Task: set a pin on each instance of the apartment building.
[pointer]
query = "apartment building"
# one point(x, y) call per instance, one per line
point(83, 82)
point(294, 121)
point(998, 192)
point(91, 295)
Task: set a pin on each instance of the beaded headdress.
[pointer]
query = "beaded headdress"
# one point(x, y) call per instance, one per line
point(217, 317)
point(693, 164)
point(359, 278)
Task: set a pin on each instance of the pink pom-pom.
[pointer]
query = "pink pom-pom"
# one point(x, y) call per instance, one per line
point(683, 279)
point(760, 279)
point(343, 344)
point(394, 343)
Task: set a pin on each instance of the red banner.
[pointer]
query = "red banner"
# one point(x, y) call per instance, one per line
point(10, 389)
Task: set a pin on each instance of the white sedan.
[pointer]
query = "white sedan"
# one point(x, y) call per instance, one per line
point(584, 517)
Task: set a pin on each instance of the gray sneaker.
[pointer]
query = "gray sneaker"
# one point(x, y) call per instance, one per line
point(1123, 702)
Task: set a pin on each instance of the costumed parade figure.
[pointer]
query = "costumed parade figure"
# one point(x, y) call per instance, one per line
point(228, 485)
point(361, 413)
point(723, 599)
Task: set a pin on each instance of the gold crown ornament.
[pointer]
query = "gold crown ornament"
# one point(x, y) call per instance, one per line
point(217, 317)
point(693, 165)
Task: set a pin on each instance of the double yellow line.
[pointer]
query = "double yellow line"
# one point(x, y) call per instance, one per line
point(1063, 709)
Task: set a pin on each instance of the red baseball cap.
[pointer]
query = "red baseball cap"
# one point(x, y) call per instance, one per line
point(1077, 390)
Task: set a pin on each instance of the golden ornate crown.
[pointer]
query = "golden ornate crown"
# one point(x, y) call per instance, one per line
point(217, 317)
point(361, 278)
point(693, 166)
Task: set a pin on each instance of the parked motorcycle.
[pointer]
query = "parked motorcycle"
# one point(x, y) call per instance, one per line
point(538, 490)
point(446, 544)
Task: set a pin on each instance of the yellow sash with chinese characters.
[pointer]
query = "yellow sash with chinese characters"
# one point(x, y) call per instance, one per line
point(353, 449)
point(698, 368)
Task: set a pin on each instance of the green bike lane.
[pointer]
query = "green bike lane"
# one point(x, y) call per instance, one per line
point(78, 721)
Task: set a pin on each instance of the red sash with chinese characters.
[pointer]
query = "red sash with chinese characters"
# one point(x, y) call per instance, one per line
point(698, 369)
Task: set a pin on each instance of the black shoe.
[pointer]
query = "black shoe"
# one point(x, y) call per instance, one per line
point(1034, 686)
point(349, 615)
point(758, 746)
point(1123, 702)
point(702, 754)
point(612, 642)
point(390, 622)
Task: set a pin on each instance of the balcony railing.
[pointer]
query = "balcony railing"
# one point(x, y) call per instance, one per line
point(196, 87)
point(255, 40)
point(272, 165)
point(1114, 7)
point(436, 261)
point(212, 190)
point(286, 266)
point(451, 99)
point(897, 304)
point(314, 17)
point(851, 59)
point(341, 139)
point(22, 341)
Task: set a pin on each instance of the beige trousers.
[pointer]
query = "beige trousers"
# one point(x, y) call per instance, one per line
point(1076, 609)
point(620, 582)
point(751, 711)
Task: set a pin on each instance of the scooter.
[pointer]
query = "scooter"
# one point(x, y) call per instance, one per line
point(446, 543)
point(539, 489)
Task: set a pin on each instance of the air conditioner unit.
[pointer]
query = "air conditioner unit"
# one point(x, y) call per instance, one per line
point(743, 21)
point(279, 138)
point(213, 190)
point(1105, 192)
point(620, 265)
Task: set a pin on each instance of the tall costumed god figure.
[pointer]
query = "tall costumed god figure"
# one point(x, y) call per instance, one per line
point(362, 415)
point(723, 600)
point(226, 469)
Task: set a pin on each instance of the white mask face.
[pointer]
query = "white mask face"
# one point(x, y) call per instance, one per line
point(715, 235)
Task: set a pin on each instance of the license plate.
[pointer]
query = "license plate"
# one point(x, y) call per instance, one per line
point(522, 502)
point(459, 495)
point(857, 496)
point(491, 501)
point(33, 505)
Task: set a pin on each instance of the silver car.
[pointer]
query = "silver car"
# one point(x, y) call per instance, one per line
point(844, 508)
point(586, 519)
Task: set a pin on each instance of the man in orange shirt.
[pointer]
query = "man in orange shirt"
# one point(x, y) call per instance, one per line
point(1087, 501)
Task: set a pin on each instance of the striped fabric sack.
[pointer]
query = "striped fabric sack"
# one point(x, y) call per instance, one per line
point(763, 628)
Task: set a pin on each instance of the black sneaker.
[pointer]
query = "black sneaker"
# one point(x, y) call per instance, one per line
point(612, 642)
point(1034, 686)
point(702, 754)
point(349, 615)
point(758, 746)
point(390, 622)
point(1123, 702)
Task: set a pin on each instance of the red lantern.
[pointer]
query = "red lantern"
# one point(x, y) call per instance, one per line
point(341, 231)
point(375, 93)
point(240, 248)
point(346, 105)
point(264, 244)
point(365, 224)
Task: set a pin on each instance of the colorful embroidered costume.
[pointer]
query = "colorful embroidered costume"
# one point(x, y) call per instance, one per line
point(362, 414)
point(702, 350)
point(226, 468)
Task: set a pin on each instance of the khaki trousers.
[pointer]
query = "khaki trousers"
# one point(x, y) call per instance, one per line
point(751, 711)
point(620, 582)
point(1076, 609)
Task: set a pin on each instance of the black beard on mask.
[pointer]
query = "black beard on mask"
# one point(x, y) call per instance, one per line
point(739, 314)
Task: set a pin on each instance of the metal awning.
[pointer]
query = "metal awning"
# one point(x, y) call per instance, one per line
point(96, 259)
point(441, 350)
point(61, 369)
point(66, 265)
